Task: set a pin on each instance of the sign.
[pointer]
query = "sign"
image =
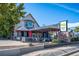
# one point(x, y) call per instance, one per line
point(63, 26)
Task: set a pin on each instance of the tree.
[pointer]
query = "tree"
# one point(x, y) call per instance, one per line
point(76, 29)
point(10, 14)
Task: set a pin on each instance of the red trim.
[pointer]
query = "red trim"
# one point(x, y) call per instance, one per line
point(30, 33)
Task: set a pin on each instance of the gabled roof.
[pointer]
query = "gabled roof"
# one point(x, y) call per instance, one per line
point(30, 15)
point(33, 18)
point(24, 18)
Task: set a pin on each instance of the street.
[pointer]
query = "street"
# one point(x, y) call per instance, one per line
point(54, 51)
point(57, 51)
point(75, 54)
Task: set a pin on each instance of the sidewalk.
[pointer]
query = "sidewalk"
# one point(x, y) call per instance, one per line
point(6, 44)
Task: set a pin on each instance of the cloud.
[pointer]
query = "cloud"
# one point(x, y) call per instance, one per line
point(68, 8)
point(70, 25)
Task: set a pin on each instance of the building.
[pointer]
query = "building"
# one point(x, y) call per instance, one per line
point(29, 28)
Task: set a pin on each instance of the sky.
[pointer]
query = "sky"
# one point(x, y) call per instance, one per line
point(52, 13)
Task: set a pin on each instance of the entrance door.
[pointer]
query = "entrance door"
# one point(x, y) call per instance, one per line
point(22, 33)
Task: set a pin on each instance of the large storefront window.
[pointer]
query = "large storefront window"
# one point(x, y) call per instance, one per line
point(18, 34)
point(24, 34)
point(45, 34)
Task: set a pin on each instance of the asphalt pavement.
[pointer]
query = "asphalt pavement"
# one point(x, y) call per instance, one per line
point(75, 54)
point(54, 51)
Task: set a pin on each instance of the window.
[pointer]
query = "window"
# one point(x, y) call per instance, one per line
point(29, 24)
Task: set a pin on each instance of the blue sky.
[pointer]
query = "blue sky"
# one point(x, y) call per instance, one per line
point(52, 13)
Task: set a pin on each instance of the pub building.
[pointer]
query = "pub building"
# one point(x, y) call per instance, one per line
point(29, 28)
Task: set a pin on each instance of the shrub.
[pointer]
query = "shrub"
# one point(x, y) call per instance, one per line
point(74, 39)
point(55, 41)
